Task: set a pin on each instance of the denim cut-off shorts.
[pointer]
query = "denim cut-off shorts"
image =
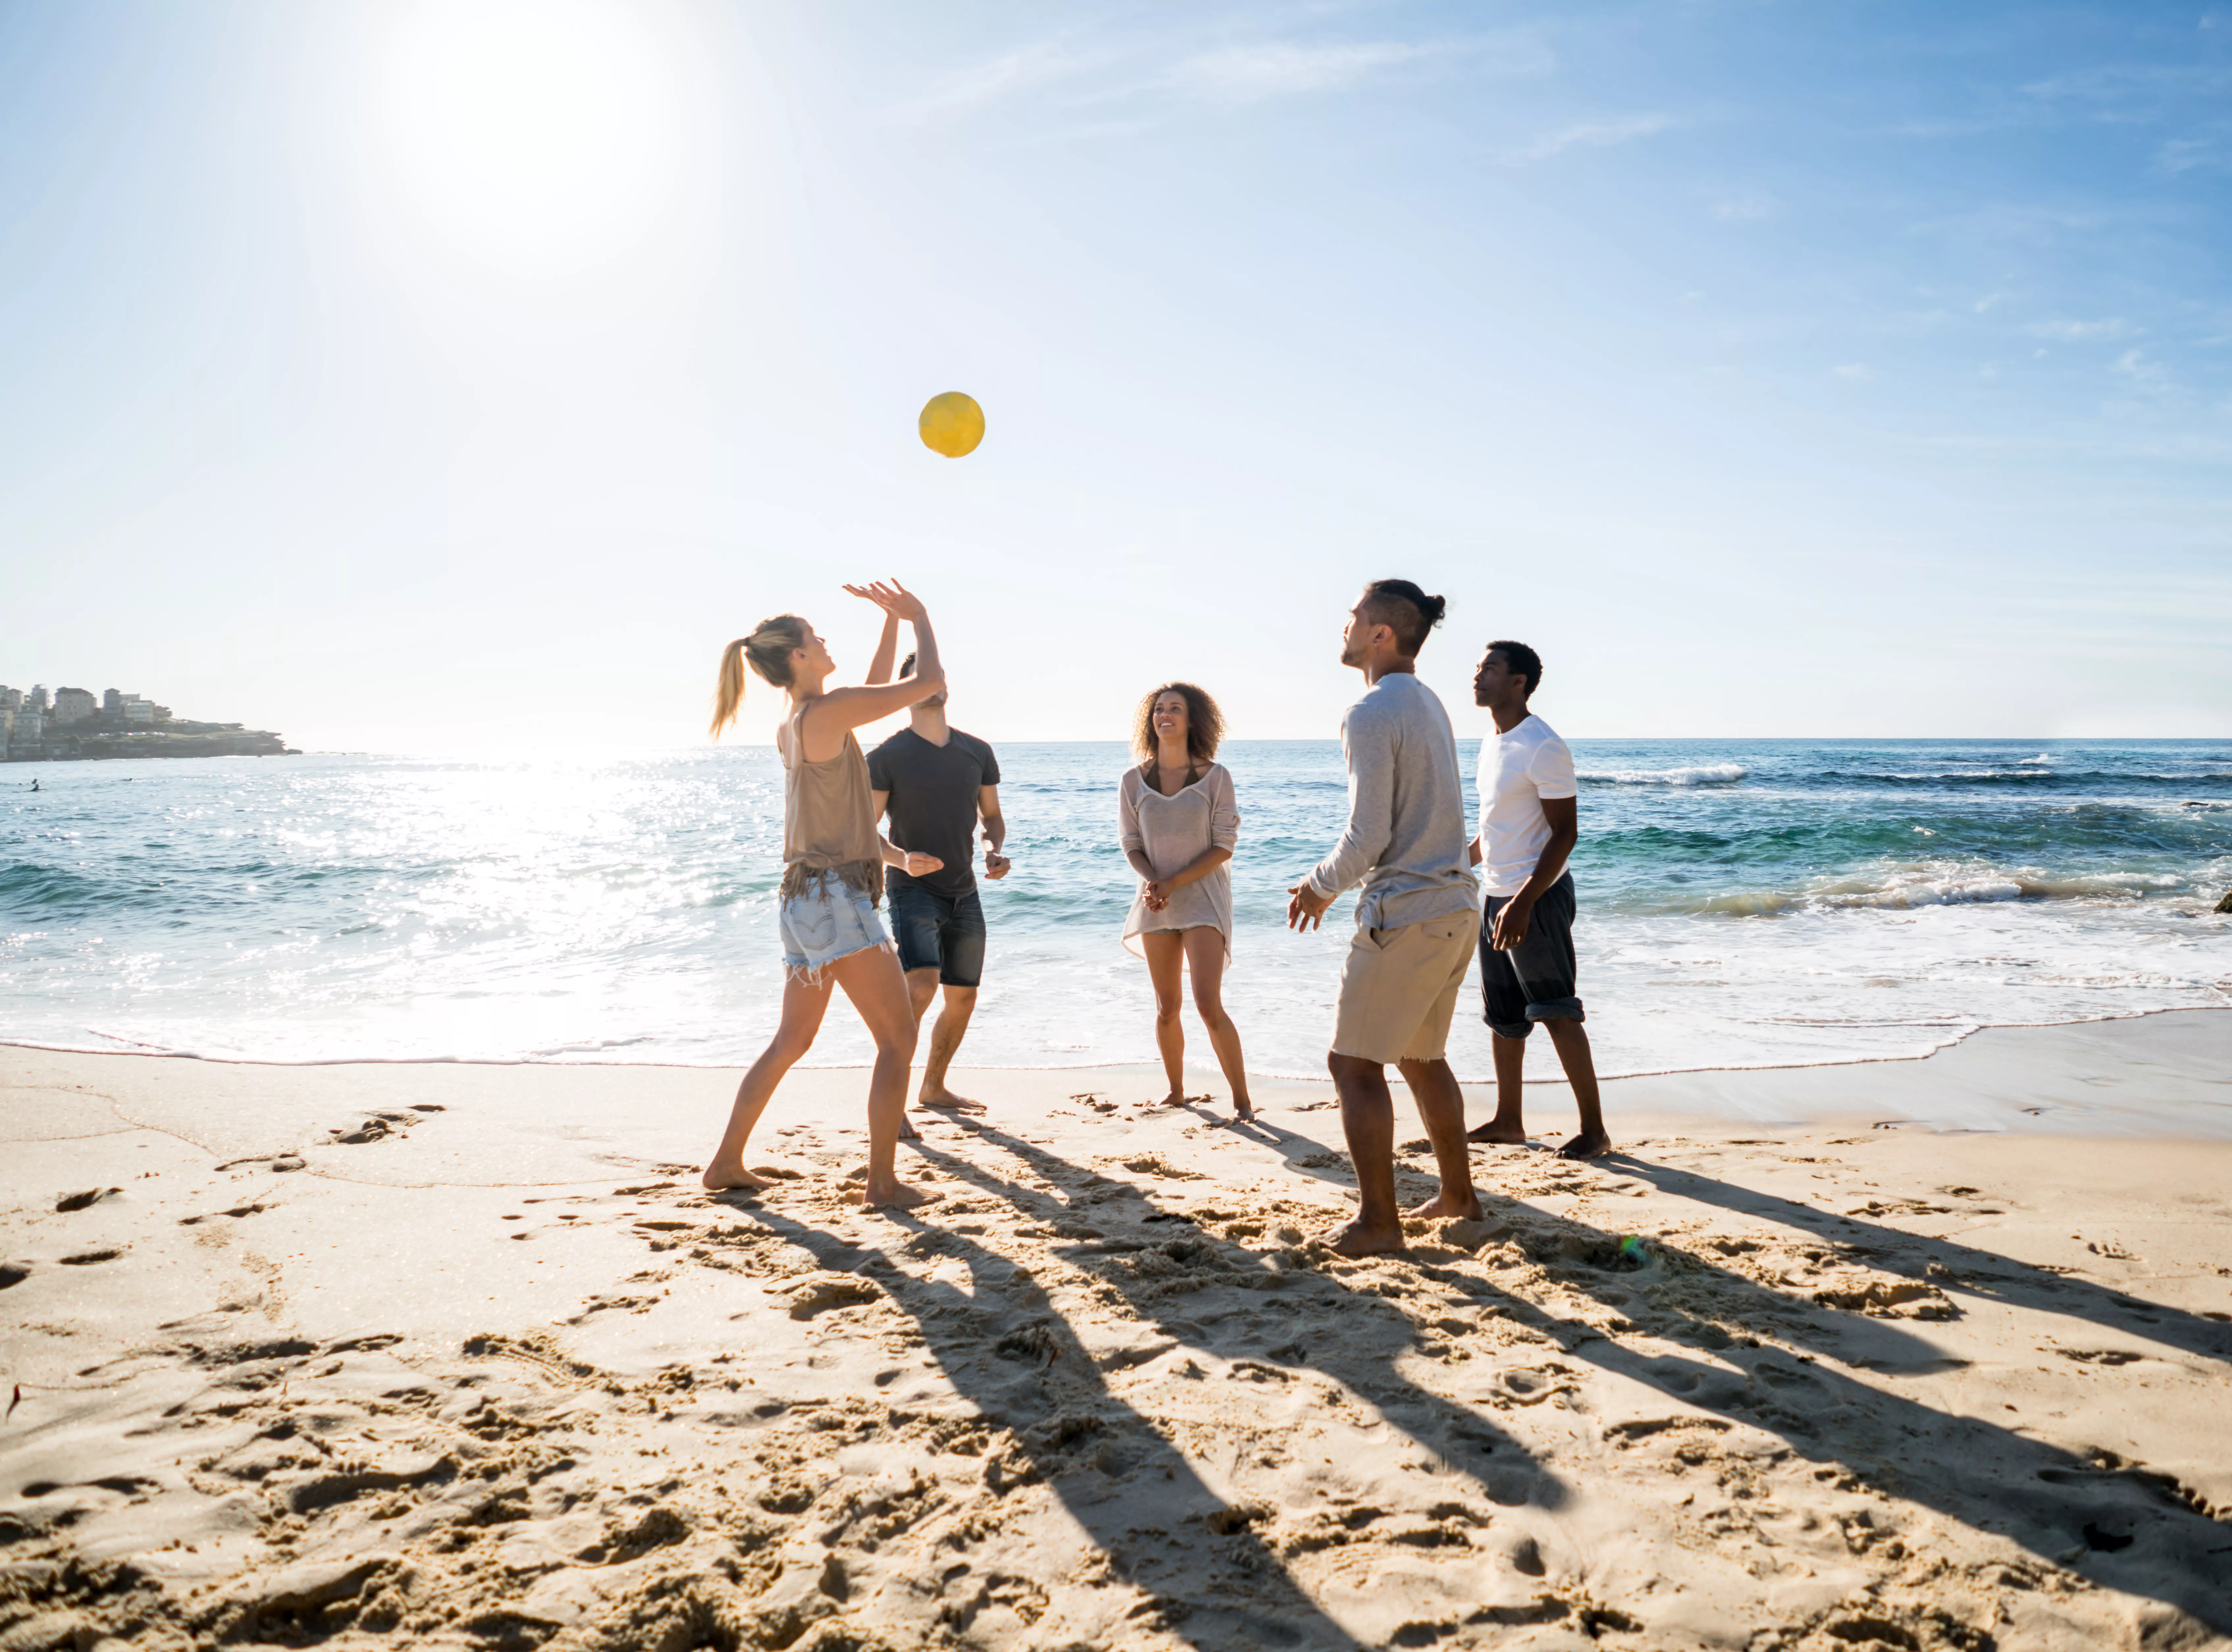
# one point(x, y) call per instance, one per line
point(828, 921)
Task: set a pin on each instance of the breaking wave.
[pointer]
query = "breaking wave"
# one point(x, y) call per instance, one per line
point(1697, 774)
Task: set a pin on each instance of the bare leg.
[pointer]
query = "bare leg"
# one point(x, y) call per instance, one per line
point(802, 1009)
point(922, 986)
point(1367, 1118)
point(1572, 1039)
point(1205, 955)
point(1507, 1126)
point(1441, 1106)
point(944, 1038)
point(872, 979)
point(1165, 965)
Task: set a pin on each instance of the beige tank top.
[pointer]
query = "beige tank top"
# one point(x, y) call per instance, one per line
point(828, 818)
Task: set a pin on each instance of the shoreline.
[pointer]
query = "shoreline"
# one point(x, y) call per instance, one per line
point(2038, 1042)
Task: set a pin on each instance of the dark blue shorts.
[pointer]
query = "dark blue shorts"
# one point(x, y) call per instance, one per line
point(940, 932)
point(1534, 981)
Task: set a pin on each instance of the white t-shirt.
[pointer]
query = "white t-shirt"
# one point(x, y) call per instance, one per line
point(1517, 771)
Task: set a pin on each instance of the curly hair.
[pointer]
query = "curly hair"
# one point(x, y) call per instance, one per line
point(1204, 722)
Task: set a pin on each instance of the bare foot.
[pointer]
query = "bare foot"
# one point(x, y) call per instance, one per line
point(1354, 1239)
point(893, 1195)
point(1243, 1109)
point(1179, 1098)
point(723, 1173)
point(1498, 1132)
point(946, 1100)
point(1586, 1145)
point(1443, 1206)
point(907, 1132)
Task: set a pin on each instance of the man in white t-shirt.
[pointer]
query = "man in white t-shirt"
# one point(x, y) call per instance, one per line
point(1530, 818)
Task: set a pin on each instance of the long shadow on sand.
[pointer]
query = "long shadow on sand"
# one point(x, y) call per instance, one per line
point(1212, 1581)
point(1947, 1263)
point(1215, 1581)
point(2115, 1523)
point(1374, 1334)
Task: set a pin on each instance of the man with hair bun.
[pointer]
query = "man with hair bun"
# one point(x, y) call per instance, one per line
point(1415, 918)
point(1530, 819)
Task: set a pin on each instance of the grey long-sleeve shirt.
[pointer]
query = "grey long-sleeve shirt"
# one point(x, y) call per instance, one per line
point(1406, 838)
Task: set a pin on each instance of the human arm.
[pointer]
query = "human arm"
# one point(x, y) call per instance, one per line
point(1370, 749)
point(887, 645)
point(912, 862)
point(995, 831)
point(913, 865)
point(1127, 828)
point(1224, 837)
point(833, 715)
point(1552, 771)
point(1159, 890)
point(1564, 815)
point(1474, 854)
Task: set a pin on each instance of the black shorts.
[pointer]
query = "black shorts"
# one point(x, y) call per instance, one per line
point(1534, 981)
point(940, 932)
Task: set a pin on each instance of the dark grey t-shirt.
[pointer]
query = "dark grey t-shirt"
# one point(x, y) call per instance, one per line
point(933, 803)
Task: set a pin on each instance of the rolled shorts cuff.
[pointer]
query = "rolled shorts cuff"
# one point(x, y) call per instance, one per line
point(1548, 1009)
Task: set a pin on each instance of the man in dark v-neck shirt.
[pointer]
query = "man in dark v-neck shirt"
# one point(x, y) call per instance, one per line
point(937, 783)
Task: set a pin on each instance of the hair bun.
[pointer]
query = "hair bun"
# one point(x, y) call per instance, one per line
point(1433, 608)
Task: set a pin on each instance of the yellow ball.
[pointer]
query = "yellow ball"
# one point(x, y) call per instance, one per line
point(952, 424)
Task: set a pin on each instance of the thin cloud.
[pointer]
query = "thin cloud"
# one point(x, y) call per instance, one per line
point(2145, 374)
point(1746, 208)
point(1020, 70)
point(1856, 372)
point(2114, 326)
point(1249, 72)
point(2191, 154)
point(1593, 134)
point(1280, 68)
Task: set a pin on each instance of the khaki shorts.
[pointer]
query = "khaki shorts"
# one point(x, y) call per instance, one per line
point(1398, 989)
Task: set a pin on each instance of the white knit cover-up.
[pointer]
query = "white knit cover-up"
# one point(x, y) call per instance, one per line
point(1174, 833)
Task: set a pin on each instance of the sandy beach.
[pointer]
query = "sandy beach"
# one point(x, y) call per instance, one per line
point(1906, 1355)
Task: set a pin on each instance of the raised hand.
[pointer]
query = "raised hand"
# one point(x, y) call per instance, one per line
point(893, 599)
point(996, 863)
point(1306, 908)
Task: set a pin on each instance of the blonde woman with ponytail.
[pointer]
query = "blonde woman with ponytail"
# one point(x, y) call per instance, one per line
point(833, 874)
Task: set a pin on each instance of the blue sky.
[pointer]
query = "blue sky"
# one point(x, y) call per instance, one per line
point(408, 376)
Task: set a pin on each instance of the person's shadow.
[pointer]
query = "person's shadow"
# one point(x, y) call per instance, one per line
point(1209, 1577)
point(1947, 1263)
point(2115, 1523)
point(1214, 1579)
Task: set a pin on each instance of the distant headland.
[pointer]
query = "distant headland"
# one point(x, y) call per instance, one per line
point(75, 725)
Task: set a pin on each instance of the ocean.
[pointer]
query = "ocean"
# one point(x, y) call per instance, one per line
point(1743, 904)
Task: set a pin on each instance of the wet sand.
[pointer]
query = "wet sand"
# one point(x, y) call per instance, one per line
point(1875, 1356)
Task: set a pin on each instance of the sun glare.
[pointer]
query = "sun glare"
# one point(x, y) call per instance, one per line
point(541, 134)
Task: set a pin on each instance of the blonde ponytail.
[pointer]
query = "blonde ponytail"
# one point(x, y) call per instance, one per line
point(769, 650)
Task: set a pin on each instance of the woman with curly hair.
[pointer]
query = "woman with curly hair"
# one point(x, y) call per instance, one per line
point(1178, 826)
